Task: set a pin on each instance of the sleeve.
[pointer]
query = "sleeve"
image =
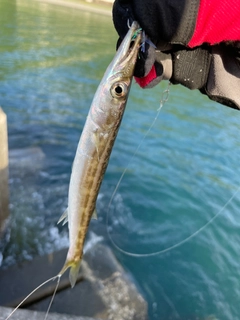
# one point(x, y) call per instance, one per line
point(164, 21)
point(217, 21)
point(197, 44)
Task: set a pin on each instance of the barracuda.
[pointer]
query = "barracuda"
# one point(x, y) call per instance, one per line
point(93, 152)
point(95, 146)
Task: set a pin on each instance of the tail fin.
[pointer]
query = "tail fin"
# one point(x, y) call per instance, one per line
point(74, 273)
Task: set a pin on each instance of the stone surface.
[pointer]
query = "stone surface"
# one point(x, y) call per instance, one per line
point(4, 192)
point(82, 5)
point(35, 315)
point(26, 158)
point(104, 290)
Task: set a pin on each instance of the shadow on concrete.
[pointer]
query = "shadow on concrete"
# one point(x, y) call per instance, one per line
point(4, 199)
point(104, 289)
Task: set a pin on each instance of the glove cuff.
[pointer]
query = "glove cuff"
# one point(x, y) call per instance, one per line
point(191, 67)
point(224, 76)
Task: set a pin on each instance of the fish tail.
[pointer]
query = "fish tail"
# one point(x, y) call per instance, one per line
point(73, 271)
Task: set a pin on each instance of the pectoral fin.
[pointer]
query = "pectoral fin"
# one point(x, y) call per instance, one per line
point(64, 217)
point(94, 215)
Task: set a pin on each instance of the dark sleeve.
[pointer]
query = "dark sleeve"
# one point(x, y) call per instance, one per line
point(197, 44)
point(164, 21)
point(217, 21)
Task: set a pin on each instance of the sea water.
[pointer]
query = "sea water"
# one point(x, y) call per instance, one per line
point(52, 59)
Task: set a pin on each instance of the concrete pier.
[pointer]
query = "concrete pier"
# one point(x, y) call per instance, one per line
point(4, 191)
point(103, 291)
point(35, 315)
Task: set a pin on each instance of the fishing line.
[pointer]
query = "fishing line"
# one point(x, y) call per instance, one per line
point(164, 99)
point(53, 296)
point(139, 255)
point(165, 96)
point(32, 292)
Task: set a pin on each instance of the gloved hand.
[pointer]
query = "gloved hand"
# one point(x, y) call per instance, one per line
point(187, 44)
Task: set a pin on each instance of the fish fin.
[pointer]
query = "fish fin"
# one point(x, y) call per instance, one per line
point(65, 221)
point(74, 270)
point(64, 217)
point(73, 274)
point(94, 215)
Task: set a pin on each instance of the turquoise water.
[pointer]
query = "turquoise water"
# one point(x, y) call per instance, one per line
point(185, 171)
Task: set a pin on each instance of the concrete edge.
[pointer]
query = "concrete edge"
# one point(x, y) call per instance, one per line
point(80, 6)
point(36, 315)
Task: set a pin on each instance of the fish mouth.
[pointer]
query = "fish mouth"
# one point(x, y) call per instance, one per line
point(126, 56)
point(132, 39)
point(128, 49)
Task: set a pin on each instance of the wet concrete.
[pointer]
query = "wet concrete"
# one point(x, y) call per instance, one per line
point(4, 191)
point(35, 315)
point(104, 290)
point(26, 158)
point(103, 9)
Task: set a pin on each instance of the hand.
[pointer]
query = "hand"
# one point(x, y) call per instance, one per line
point(167, 35)
point(189, 44)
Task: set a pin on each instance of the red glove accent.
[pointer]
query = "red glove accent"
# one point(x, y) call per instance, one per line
point(217, 21)
point(145, 81)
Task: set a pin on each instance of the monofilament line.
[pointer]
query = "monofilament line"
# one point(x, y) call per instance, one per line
point(164, 99)
point(53, 296)
point(41, 285)
point(142, 255)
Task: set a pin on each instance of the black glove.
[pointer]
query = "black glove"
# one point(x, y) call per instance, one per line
point(170, 26)
point(164, 21)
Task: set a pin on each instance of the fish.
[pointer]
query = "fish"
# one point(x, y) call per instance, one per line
point(93, 153)
point(95, 146)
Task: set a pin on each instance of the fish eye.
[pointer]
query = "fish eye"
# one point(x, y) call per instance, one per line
point(119, 90)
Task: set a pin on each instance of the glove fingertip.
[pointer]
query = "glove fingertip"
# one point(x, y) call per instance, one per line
point(145, 81)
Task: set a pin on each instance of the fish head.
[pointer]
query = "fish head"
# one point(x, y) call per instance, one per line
point(111, 96)
point(122, 67)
